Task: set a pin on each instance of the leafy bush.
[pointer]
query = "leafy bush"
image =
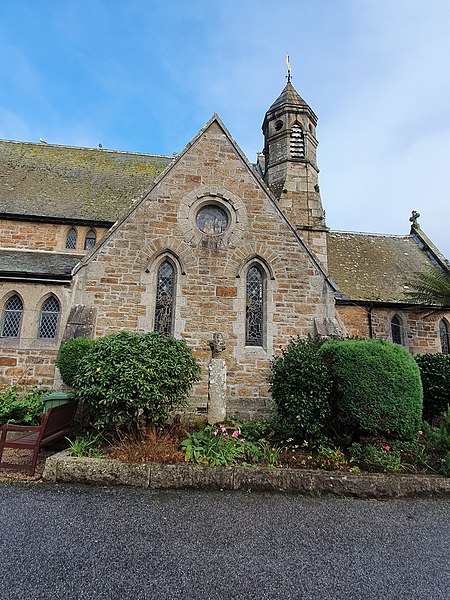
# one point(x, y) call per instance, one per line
point(300, 387)
point(376, 388)
point(375, 458)
point(70, 356)
point(88, 447)
point(220, 446)
point(21, 407)
point(435, 375)
point(331, 459)
point(130, 380)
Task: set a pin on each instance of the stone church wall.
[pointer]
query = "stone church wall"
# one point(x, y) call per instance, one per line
point(120, 280)
point(27, 359)
point(420, 328)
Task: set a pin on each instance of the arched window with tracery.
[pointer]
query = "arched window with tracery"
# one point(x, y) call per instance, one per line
point(165, 298)
point(71, 239)
point(444, 337)
point(254, 311)
point(90, 239)
point(12, 317)
point(397, 330)
point(48, 319)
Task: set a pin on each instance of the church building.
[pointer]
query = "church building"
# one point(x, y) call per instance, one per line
point(95, 241)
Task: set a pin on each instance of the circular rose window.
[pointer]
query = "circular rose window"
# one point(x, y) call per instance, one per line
point(212, 219)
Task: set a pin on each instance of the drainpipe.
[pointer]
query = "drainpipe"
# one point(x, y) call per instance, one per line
point(369, 321)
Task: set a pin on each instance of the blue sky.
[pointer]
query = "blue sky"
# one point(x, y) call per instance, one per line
point(146, 76)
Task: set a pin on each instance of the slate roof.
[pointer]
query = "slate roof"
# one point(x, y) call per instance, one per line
point(73, 183)
point(44, 266)
point(374, 267)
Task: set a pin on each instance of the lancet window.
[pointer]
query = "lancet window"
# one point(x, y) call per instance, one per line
point(254, 307)
point(165, 291)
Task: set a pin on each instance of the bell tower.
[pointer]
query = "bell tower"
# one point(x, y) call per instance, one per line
point(290, 166)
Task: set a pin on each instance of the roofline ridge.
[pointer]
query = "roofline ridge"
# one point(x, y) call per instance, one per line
point(391, 235)
point(110, 150)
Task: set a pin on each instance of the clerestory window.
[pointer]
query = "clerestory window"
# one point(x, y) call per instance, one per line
point(71, 239)
point(90, 239)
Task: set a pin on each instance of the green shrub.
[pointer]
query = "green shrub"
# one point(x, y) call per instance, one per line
point(130, 380)
point(300, 387)
point(70, 356)
point(435, 375)
point(331, 459)
point(23, 407)
point(376, 388)
point(375, 458)
point(220, 446)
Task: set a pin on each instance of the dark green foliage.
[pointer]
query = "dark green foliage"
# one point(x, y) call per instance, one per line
point(130, 380)
point(300, 389)
point(69, 358)
point(376, 387)
point(21, 407)
point(435, 375)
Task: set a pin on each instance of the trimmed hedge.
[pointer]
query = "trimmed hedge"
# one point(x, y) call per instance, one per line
point(70, 356)
point(300, 387)
point(132, 380)
point(435, 375)
point(376, 387)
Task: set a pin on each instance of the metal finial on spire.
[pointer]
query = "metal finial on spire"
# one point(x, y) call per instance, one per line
point(288, 65)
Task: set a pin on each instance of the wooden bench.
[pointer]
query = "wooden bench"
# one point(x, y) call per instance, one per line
point(56, 423)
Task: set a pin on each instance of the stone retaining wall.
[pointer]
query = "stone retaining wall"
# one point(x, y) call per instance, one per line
point(64, 468)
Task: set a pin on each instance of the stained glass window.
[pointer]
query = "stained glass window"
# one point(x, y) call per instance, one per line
point(12, 317)
point(165, 298)
point(254, 308)
point(71, 239)
point(443, 334)
point(90, 240)
point(212, 219)
point(48, 322)
point(396, 330)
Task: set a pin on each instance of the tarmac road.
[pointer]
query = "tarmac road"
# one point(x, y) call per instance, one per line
point(79, 542)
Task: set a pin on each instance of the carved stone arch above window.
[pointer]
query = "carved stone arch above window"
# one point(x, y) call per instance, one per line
point(160, 255)
point(257, 259)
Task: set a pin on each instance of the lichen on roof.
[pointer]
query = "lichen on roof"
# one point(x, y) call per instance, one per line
point(73, 183)
point(374, 267)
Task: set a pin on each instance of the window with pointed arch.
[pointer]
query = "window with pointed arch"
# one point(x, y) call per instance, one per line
point(90, 239)
point(165, 298)
point(71, 239)
point(12, 317)
point(444, 336)
point(254, 309)
point(48, 319)
point(397, 330)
